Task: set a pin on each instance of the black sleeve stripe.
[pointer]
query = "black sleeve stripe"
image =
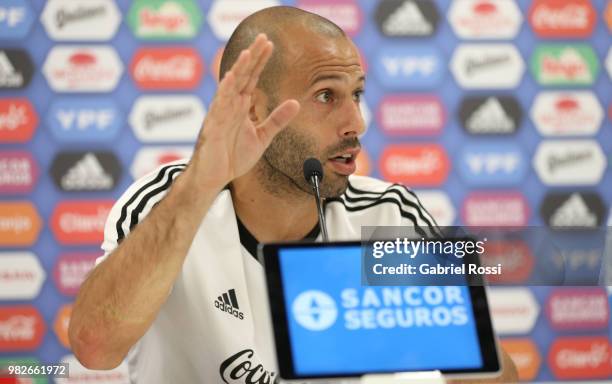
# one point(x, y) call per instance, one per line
point(124, 209)
point(376, 202)
point(146, 198)
point(416, 205)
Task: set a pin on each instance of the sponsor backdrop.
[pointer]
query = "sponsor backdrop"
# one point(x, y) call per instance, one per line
point(498, 112)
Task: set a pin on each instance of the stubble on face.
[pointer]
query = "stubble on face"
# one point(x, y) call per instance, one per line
point(281, 166)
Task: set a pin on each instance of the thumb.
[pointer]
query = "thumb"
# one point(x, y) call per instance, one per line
point(277, 120)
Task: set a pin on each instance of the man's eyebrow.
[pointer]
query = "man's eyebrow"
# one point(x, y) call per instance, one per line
point(324, 77)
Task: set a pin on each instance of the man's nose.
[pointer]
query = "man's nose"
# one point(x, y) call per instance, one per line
point(352, 120)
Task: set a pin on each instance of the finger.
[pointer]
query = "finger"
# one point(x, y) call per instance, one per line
point(259, 67)
point(278, 119)
point(243, 71)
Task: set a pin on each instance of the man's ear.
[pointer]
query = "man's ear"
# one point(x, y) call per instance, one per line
point(258, 111)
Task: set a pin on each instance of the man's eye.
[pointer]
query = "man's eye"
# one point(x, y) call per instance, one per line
point(357, 95)
point(324, 97)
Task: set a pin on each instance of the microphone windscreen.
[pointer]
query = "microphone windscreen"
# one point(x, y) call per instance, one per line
point(312, 166)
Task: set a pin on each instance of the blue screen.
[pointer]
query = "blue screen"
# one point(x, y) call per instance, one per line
point(337, 326)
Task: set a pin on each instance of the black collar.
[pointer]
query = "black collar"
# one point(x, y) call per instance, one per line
point(250, 242)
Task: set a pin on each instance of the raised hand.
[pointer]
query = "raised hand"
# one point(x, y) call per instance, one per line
point(229, 144)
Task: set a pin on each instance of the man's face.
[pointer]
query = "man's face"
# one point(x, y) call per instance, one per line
point(325, 76)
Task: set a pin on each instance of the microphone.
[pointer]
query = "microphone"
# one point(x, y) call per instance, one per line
point(313, 173)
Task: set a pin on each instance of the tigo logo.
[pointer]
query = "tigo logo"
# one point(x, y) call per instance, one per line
point(407, 18)
point(93, 119)
point(411, 115)
point(573, 210)
point(80, 222)
point(18, 172)
point(415, 66)
point(93, 20)
point(18, 120)
point(485, 19)
point(16, 69)
point(608, 15)
point(167, 68)
point(21, 328)
point(149, 158)
point(583, 308)
point(567, 113)
point(167, 118)
point(314, 310)
point(71, 270)
point(415, 164)
point(78, 171)
point(525, 355)
point(487, 66)
point(558, 64)
point(19, 224)
point(21, 276)
point(492, 164)
point(60, 325)
point(82, 68)
point(165, 19)
point(490, 209)
point(562, 18)
point(16, 19)
point(495, 115)
point(513, 310)
point(569, 162)
point(225, 15)
point(345, 13)
point(586, 357)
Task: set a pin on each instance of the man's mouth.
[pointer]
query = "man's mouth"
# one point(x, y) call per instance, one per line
point(344, 162)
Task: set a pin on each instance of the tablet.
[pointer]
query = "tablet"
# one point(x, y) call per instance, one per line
point(326, 324)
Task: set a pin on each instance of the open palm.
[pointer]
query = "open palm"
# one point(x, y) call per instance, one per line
point(229, 143)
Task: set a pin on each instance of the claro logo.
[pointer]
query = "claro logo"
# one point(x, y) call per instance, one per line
point(415, 164)
point(580, 358)
point(80, 222)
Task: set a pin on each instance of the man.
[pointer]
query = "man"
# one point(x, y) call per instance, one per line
point(285, 96)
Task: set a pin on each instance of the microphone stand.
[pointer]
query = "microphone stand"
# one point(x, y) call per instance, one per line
point(314, 181)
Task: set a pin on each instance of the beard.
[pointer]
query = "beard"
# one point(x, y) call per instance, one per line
point(282, 164)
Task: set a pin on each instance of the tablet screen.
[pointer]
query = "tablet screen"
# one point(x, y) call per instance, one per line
point(337, 327)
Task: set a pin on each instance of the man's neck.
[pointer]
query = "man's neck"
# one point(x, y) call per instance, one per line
point(273, 216)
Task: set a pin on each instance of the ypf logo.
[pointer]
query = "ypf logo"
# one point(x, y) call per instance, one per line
point(18, 120)
point(165, 68)
point(562, 18)
point(91, 20)
point(487, 66)
point(314, 310)
point(485, 19)
point(16, 19)
point(564, 64)
point(345, 13)
point(405, 67)
point(165, 19)
point(93, 119)
point(492, 164)
point(407, 18)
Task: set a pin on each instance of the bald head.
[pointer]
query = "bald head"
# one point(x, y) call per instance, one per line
point(274, 22)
